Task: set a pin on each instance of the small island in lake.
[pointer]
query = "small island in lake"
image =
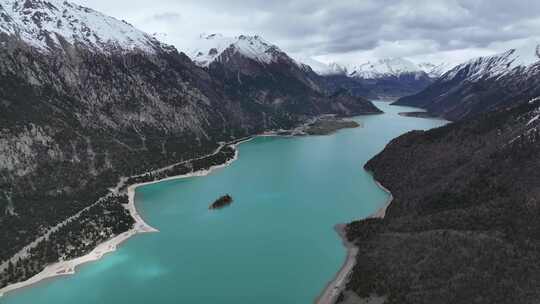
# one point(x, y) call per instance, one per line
point(221, 202)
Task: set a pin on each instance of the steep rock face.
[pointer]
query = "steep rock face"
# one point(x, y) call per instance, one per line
point(481, 85)
point(463, 225)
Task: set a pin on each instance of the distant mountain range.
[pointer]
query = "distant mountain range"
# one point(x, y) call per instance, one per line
point(48, 25)
point(382, 68)
point(482, 84)
point(386, 79)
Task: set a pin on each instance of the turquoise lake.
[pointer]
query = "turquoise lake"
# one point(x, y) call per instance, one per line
point(274, 244)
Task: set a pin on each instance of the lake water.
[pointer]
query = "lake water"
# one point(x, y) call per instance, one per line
point(274, 244)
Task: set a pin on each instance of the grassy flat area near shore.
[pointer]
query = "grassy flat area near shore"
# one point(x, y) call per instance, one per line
point(329, 125)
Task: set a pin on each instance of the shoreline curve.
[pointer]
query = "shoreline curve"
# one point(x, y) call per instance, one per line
point(68, 267)
point(334, 288)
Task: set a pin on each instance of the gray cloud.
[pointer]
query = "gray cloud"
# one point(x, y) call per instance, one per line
point(331, 29)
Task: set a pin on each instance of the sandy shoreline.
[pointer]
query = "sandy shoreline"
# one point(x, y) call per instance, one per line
point(382, 212)
point(337, 284)
point(140, 226)
point(334, 288)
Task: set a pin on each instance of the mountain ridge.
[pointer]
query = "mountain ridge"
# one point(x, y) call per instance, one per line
point(387, 79)
point(481, 84)
point(47, 24)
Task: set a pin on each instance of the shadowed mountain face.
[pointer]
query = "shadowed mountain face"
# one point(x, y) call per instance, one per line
point(462, 227)
point(393, 87)
point(258, 72)
point(82, 106)
point(481, 85)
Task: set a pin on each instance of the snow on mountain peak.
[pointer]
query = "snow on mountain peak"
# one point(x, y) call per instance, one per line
point(434, 70)
point(210, 47)
point(513, 60)
point(321, 68)
point(384, 68)
point(388, 67)
point(46, 23)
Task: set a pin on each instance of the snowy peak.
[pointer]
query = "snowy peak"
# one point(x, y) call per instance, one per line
point(337, 69)
point(47, 24)
point(210, 47)
point(434, 70)
point(321, 68)
point(511, 61)
point(388, 67)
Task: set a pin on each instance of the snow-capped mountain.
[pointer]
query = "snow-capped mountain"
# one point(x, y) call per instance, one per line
point(382, 68)
point(257, 70)
point(482, 84)
point(389, 67)
point(210, 47)
point(511, 61)
point(47, 24)
point(395, 67)
point(434, 70)
point(323, 69)
point(388, 78)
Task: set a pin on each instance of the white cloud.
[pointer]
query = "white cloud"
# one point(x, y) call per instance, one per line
point(345, 31)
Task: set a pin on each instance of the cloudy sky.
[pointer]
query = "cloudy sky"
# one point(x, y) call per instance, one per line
point(345, 31)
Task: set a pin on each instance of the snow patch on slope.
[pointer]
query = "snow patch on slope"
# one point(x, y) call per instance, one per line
point(434, 70)
point(43, 24)
point(536, 112)
point(387, 67)
point(321, 68)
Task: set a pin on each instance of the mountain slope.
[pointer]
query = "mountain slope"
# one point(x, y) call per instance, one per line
point(462, 226)
point(481, 85)
point(48, 24)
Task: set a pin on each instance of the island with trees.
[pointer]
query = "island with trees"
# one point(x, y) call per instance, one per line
point(221, 202)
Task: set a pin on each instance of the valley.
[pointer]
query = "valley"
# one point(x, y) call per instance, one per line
point(284, 194)
point(411, 129)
